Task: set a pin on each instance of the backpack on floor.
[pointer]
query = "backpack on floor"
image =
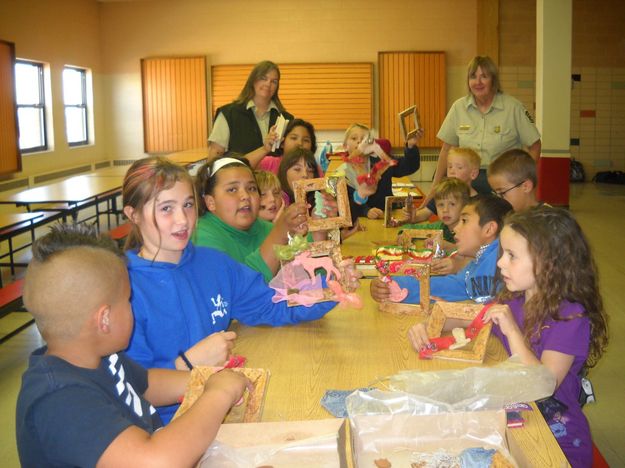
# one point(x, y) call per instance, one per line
point(610, 177)
point(576, 171)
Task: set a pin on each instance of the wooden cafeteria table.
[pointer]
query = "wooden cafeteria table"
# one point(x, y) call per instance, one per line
point(73, 190)
point(11, 225)
point(76, 193)
point(189, 157)
point(110, 171)
point(9, 220)
point(349, 349)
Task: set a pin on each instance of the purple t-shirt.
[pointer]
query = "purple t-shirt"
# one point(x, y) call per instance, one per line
point(572, 337)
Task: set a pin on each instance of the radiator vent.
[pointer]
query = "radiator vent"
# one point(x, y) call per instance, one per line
point(427, 168)
point(429, 157)
point(123, 162)
point(13, 184)
point(101, 164)
point(60, 174)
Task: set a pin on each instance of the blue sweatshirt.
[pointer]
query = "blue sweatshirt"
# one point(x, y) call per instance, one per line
point(474, 282)
point(177, 305)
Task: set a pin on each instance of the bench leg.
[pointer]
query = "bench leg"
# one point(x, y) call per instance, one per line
point(11, 259)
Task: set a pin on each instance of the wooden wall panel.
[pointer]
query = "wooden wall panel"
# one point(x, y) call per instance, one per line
point(10, 159)
point(329, 95)
point(407, 78)
point(488, 29)
point(174, 103)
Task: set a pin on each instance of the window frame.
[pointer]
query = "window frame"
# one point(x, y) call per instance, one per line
point(41, 106)
point(83, 106)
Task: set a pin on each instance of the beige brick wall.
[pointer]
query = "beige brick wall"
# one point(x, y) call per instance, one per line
point(598, 98)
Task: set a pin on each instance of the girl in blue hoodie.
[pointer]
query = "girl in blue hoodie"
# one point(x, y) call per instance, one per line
point(184, 297)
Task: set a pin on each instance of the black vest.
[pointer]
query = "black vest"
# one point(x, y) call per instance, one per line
point(245, 135)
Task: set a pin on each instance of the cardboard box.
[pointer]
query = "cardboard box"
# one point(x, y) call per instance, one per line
point(399, 438)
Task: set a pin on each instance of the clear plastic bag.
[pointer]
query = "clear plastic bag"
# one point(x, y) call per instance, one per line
point(479, 387)
point(442, 415)
point(314, 452)
point(305, 444)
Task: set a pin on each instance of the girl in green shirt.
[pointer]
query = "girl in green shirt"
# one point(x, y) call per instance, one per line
point(229, 216)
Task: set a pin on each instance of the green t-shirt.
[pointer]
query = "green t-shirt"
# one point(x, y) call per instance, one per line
point(243, 246)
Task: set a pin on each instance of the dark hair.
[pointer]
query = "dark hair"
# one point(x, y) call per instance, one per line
point(62, 237)
point(288, 161)
point(308, 126)
point(516, 164)
point(144, 180)
point(489, 67)
point(565, 270)
point(56, 292)
point(490, 208)
point(205, 183)
point(260, 70)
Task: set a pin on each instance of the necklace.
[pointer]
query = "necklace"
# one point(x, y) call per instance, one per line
point(481, 251)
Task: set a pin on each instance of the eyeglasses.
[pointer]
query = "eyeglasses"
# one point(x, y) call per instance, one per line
point(502, 194)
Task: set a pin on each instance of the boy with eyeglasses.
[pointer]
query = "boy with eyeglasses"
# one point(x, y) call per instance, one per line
point(512, 177)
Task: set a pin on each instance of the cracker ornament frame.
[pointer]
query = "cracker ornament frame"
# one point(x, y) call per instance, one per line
point(421, 271)
point(250, 410)
point(405, 239)
point(328, 249)
point(391, 201)
point(476, 349)
point(344, 218)
point(404, 117)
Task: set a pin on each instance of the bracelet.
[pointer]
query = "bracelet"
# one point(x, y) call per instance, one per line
point(358, 199)
point(184, 358)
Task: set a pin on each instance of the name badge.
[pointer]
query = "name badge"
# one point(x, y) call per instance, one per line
point(464, 127)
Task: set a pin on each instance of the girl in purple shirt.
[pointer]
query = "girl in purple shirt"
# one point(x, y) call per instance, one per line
point(551, 312)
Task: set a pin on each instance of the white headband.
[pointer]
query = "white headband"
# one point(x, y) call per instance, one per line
point(222, 162)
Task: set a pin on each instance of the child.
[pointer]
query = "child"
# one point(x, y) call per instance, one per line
point(372, 203)
point(271, 202)
point(450, 196)
point(551, 312)
point(297, 164)
point(298, 134)
point(463, 164)
point(183, 295)
point(229, 216)
point(82, 401)
point(481, 221)
point(513, 177)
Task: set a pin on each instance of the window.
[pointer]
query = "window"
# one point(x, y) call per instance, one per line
point(75, 99)
point(31, 106)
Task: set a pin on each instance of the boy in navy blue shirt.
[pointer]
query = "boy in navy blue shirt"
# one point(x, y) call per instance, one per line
point(83, 403)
